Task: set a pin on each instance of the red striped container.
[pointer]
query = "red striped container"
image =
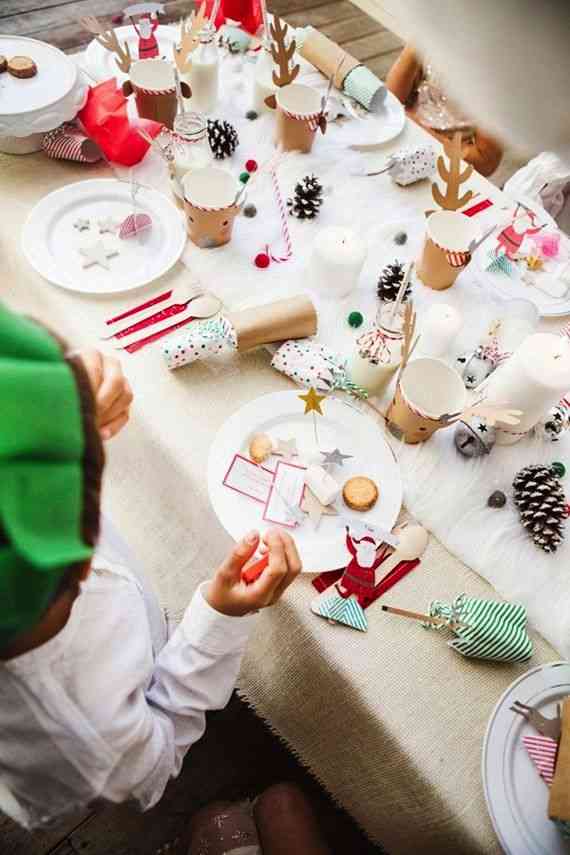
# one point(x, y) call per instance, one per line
point(68, 142)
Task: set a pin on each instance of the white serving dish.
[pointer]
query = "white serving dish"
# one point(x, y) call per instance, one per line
point(31, 107)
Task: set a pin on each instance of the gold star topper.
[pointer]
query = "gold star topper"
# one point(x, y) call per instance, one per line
point(533, 262)
point(312, 401)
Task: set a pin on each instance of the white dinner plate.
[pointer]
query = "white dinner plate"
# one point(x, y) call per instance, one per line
point(51, 243)
point(378, 128)
point(100, 62)
point(513, 286)
point(517, 798)
point(281, 414)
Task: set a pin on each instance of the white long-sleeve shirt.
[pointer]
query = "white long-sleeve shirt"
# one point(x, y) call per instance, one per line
point(93, 715)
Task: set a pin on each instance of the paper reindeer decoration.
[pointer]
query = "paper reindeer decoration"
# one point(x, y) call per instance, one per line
point(453, 176)
point(151, 81)
point(300, 111)
point(189, 38)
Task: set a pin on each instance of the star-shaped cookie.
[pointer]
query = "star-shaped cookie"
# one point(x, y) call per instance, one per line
point(315, 510)
point(97, 253)
point(107, 226)
point(81, 224)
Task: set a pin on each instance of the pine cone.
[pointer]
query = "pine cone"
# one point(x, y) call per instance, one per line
point(223, 138)
point(541, 502)
point(307, 199)
point(390, 281)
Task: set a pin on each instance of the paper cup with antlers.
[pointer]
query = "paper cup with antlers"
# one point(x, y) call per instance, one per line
point(429, 395)
point(299, 116)
point(210, 206)
point(446, 249)
point(153, 84)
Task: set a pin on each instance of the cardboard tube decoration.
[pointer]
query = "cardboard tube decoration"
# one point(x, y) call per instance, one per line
point(348, 74)
point(427, 394)
point(294, 317)
point(209, 206)
point(152, 82)
point(445, 251)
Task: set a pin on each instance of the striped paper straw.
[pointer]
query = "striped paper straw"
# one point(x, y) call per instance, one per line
point(285, 233)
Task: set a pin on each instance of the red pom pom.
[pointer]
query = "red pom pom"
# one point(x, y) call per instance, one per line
point(118, 19)
point(262, 260)
point(251, 165)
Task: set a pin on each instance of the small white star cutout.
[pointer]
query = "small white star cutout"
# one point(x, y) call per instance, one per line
point(97, 254)
point(81, 225)
point(107, 226)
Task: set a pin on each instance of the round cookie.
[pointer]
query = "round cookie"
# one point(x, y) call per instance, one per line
point(360, 493)
point(3, 63)
point(22, 66)
point(260, 447)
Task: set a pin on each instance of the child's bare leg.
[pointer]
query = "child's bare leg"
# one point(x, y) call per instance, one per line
point(221, 828)
point(286, 823)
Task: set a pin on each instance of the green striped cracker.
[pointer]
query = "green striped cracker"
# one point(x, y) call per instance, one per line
point(496, 630)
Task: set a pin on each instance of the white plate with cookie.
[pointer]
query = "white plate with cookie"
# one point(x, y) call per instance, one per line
point(343, 425)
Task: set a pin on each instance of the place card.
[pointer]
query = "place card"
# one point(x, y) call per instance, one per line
point(249, 478)
point(285, 495)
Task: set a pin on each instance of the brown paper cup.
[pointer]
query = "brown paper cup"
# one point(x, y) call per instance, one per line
point(298, 110)
point(152, 81)
point(445, 251)
point(294, 317)
point(428, 390)
point(328, 57)
point(209, 206)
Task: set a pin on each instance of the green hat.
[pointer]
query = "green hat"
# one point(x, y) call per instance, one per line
point(41, 472)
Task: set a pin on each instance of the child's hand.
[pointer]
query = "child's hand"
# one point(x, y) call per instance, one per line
point(230, 595)
point(111, 391)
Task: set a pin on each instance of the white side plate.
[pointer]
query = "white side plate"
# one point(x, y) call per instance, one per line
point(281, 415)
point(51, 243)
point(101, 63)
point(517, 798)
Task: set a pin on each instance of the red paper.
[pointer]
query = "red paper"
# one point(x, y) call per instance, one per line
point(325, 580)
point(244, 12)
point(105, 120)
point(254, 571)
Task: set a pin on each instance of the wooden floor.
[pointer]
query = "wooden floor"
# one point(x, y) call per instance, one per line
point(56, 21)
point(238, 757)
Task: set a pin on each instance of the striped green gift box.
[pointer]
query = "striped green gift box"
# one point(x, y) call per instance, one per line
point(493, 630)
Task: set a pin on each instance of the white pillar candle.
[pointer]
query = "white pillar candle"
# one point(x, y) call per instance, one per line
point(519, 321)
point(534, 379)
point(337, 261)
point(439, 329)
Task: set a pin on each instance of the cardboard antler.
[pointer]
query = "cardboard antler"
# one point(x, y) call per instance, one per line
point(189, 33)
point(453, 176)
point(492, 413)
point(281, 54)
point(109, 40)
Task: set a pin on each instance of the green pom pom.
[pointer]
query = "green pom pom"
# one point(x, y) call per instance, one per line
point(559, 469)
point(244, 177)
point(355, 319)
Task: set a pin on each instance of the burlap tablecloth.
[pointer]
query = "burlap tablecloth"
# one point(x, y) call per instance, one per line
point(391, 721)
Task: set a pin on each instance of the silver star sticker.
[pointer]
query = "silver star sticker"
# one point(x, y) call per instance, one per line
point(81, 225)
point(108, 225)
point(286, 447)
point(335, 457)
point(97, 254)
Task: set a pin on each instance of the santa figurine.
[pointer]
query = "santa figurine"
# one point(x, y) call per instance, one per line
point(511, 238)
point(360, 574)
point(146, 28)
